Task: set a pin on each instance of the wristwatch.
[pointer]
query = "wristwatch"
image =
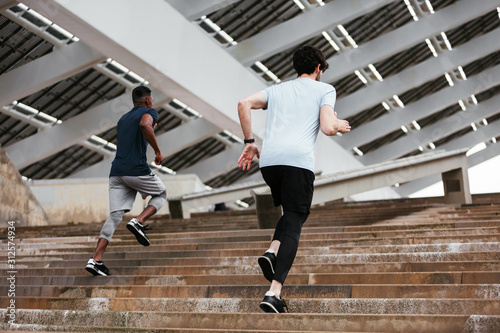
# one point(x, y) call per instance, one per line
point(249, 141)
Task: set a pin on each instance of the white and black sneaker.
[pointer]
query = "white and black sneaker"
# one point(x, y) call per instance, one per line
point(267, 262)
point(273, 304)
point(96, 268)
point(138, 229)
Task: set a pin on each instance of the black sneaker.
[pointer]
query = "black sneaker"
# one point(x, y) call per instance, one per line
point(267, 261)
point(273, 304)
point(138, 229)
point(96, 268)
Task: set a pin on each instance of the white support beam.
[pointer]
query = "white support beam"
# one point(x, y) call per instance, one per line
point(418, 75)
point(405, 37)
point(434, 132)
point(169, 63)
point(216, 165)
point(424, 107)
point(57, 138)
point(301, 28)
point(407, 189)
point(194, 9)
point(45, 71)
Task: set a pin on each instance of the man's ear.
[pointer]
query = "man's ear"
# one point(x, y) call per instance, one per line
point(316, 70)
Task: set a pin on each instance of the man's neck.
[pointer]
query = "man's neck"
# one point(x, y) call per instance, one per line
point(311, 76)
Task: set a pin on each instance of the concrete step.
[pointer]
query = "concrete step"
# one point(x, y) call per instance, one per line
point(135, 252)
point(250, 261)
point(250, 305)
point(485, 291)
point(258, 279)
point(461, 266)
point(254, 321)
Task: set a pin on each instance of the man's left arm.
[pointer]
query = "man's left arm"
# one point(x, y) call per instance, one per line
point(245, 106)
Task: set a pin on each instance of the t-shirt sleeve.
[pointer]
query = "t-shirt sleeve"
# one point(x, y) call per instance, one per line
point(330, 97)
point(154, 114)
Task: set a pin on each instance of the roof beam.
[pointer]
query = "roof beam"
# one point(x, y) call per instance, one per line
point(418, 75)
point(407, 189)
point(45, 71)
point(434, 132)
point(194, 9)
point(301, 28)
point(388, 44)
point(57, 138)
point(473, 138)
point(215, 94)
point(422, 108)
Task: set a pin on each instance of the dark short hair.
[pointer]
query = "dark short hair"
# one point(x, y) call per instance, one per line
point(306, 58)
point(139, 93)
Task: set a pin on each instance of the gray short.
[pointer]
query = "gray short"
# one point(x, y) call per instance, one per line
point(123, 190)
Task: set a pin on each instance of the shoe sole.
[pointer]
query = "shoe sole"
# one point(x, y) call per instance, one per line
point(267, 268)
point(95, 272)
point(268, 307)
point(139, 235)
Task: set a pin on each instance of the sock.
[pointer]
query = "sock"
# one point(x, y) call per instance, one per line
point(270, 293)
point(270, 251)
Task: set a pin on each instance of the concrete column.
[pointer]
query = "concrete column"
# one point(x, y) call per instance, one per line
point(267, 214)
point(456, 186)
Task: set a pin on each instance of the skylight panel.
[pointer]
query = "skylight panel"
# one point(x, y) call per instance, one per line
point(473, 98)
point(398, 101)
point(432, 145)
point(375, 72)
point(404, 129)
point(299, 4)
point(474, 127)
point(498, 10)
point(267, 72)
point(331, 41)
point(485, 122)
point(411, 10)
point(462, 105)
point(416, 125)
point(446, 41)
point(462, 73)
point(429, 5)
point(494, 140)
point(431, 47)
point(347, 36)
point(361, 76)
point(420, 148)
point(358, 151)
point(386, 106)
point(218, 31)
point(46, 25)
point(448, 78)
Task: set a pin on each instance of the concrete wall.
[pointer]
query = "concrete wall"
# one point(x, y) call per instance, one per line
point(86, 200)
point(17, 203)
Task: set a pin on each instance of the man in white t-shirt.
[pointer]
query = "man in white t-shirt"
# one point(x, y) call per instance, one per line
point(296, 111)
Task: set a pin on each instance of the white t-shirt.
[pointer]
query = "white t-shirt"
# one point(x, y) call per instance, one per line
point(292, 124)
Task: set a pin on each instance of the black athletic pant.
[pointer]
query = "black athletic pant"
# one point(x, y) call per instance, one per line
point(288, 233)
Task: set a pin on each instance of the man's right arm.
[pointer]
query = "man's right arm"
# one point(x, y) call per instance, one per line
point(330, 124)
point(146, 126)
